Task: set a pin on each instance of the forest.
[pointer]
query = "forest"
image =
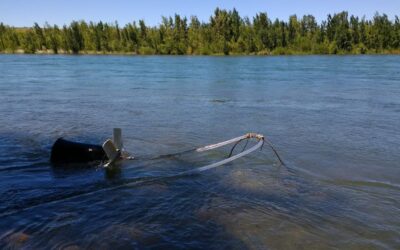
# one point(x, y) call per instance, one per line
point(226, 33)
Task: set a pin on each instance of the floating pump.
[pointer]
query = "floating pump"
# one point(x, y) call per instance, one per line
point(66, 152)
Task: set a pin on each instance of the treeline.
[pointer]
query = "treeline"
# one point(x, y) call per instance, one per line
point(226, 33)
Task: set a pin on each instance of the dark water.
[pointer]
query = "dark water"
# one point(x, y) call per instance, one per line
point(334, 120)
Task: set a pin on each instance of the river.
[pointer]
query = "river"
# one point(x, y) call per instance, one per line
point(335, 120)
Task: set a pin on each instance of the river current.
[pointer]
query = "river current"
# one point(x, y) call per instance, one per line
point(335, 120)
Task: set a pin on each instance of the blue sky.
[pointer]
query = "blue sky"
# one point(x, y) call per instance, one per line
point(26, 12)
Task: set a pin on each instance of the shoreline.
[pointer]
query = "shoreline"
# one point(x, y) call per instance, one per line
point(107, 53)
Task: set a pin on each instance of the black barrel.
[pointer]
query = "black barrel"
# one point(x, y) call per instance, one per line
point(64, 151)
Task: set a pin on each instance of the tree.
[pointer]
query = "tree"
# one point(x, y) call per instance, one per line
point(262, 29)
point(2, 37)
point(354, 28)
point(221, 31)
point(381, 30)
point(53, 37)
point(396, 33)
point(194, 36)
point(30, 42)
point(41, 40)
point(74, 38)
point(293, 29)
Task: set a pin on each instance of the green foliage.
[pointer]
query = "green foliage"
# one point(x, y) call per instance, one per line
point(30, 42)
point(53, 38)
point(226, 33)
point(10, 40)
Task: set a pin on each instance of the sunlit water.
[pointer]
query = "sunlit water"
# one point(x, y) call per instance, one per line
point(335, 121)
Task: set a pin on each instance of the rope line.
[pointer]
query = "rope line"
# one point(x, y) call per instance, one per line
point(260, 138)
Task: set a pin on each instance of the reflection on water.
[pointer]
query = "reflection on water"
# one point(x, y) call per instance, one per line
point(333, 119)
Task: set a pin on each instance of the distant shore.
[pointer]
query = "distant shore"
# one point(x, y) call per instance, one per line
point(273, 53)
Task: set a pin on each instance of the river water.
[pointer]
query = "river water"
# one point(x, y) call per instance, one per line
point(335, 120)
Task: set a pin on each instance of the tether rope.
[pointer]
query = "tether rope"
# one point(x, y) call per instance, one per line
point(261, 139)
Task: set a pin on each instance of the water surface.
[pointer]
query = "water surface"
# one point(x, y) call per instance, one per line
point(334, 120)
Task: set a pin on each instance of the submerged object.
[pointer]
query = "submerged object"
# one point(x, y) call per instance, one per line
point(64, 151)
